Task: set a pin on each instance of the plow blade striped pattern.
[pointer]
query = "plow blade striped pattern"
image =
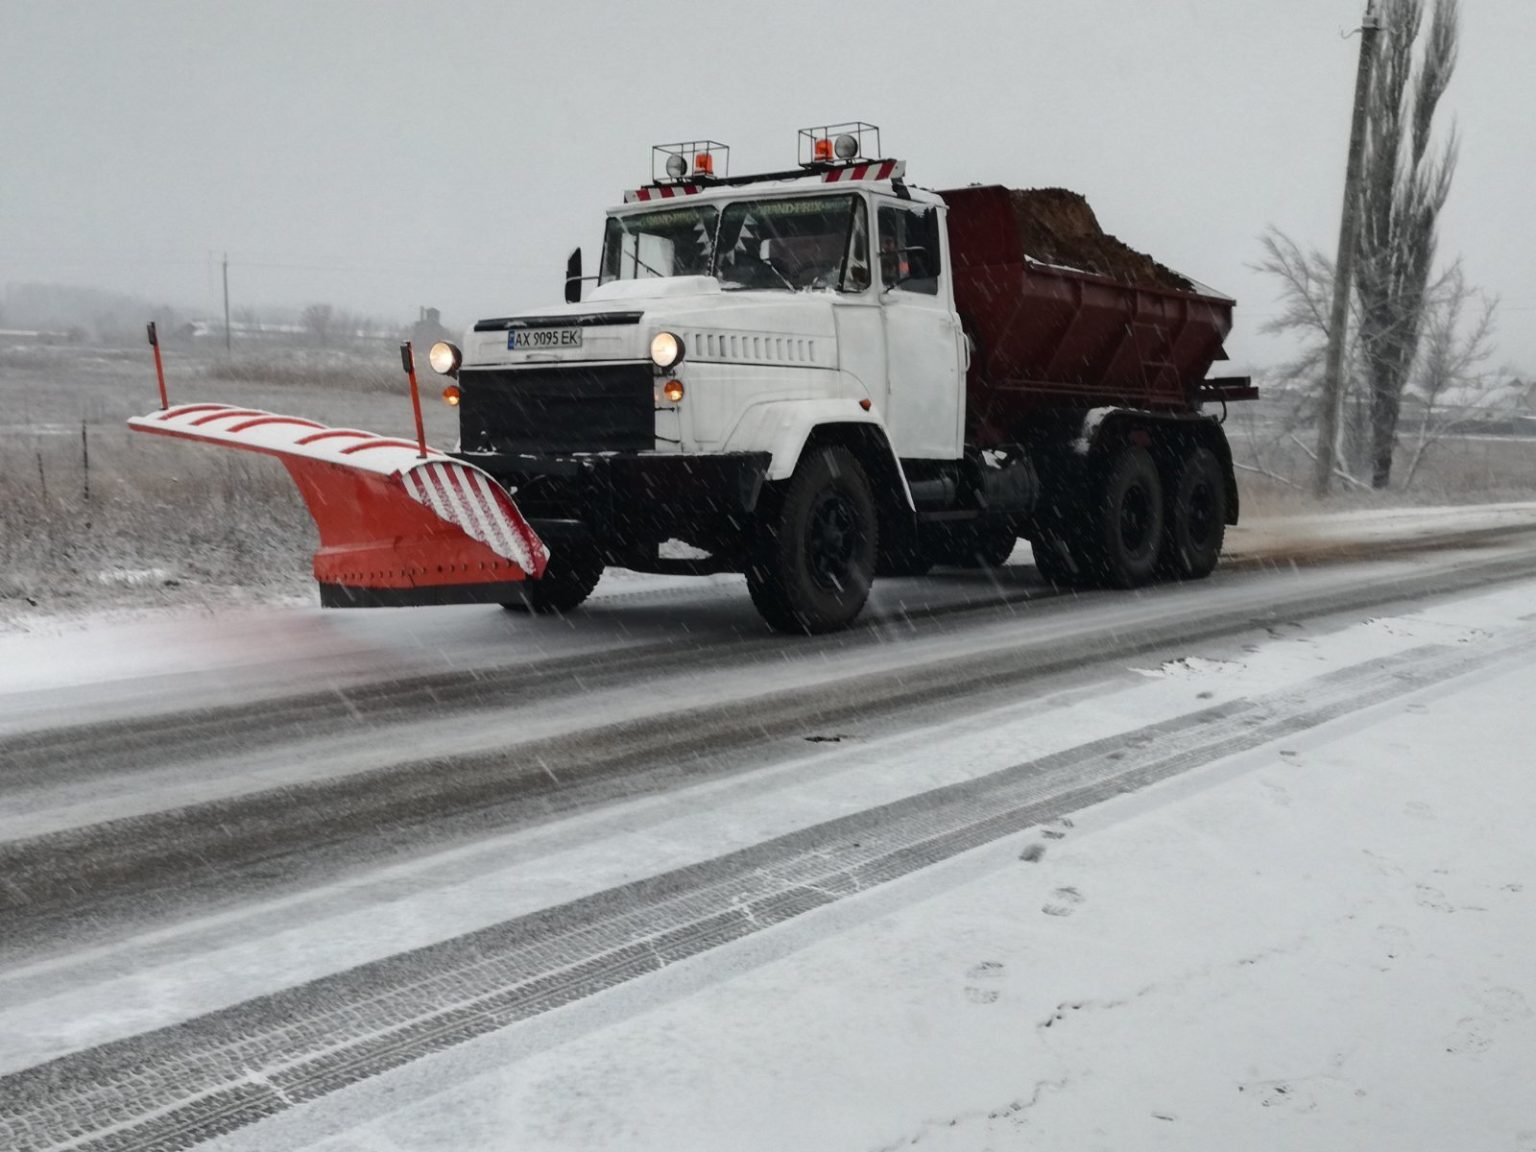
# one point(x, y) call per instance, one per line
point(396, 527)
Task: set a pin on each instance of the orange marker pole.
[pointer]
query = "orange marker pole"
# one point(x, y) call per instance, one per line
point(154, 342)
point(408, 362)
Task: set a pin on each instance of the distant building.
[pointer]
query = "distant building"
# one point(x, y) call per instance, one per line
point(428, 329)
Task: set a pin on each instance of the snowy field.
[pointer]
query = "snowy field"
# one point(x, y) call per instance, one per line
point(1241, 863)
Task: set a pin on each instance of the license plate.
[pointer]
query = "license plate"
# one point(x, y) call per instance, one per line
point(535, 339)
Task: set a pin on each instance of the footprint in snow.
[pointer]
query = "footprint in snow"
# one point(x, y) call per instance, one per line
point(1505, 1004)
point(1470, 1038)
point(1432, 898)
point(985, 985)
point(1279, 1094)
point(1063, 902)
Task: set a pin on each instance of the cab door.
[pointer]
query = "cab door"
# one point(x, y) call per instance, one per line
point(925, 351)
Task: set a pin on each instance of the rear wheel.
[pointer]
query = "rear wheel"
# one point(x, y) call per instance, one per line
point(1124, 536)
point(815, 554)
point(1196, 516)
point(572, 573)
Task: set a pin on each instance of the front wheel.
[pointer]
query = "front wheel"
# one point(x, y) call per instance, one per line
point(814, 557)
point(573, 571)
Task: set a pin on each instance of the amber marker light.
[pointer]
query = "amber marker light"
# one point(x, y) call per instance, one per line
point(451, 395)
point(673, 390)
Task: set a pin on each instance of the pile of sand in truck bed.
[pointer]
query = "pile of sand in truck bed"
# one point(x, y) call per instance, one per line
point(1056, 226)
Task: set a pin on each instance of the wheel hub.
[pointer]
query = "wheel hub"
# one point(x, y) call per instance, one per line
point(832, 537)
point(1135, 519)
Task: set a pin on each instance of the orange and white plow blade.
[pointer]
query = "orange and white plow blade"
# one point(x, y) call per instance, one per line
point(396, 528)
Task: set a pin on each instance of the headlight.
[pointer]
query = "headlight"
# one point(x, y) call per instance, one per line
point(444, 358)
point(666, 350)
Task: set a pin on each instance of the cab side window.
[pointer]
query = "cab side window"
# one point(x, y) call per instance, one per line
point(909, 250)
point(856, 258)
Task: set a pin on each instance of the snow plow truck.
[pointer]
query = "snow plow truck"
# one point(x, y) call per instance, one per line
point(815, 377)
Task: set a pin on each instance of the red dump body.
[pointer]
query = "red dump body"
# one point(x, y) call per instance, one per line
point(1054, 337)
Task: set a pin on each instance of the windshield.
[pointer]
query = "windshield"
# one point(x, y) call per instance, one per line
point(786, 244)
point(790, 244)
point(671, 242)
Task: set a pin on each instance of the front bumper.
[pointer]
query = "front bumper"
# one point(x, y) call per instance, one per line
point(628, 502)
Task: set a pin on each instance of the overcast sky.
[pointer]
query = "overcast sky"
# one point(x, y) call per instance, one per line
point(381, 155)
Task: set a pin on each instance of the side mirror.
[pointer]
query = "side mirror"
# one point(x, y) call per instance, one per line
point(573, 277)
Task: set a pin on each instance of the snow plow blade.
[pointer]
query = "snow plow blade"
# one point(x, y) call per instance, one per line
point(396, 528)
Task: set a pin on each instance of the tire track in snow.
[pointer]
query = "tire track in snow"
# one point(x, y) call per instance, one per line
point(32, 760)
point(189, 1082)
point(85, 751)
point(86, 884)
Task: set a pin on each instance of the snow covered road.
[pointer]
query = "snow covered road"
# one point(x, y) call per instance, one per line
point(662, 880)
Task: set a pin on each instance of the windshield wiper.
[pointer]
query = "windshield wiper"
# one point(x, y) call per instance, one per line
point(648, 268)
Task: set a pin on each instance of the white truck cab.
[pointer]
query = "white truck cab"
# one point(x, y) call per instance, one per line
point(736, 324)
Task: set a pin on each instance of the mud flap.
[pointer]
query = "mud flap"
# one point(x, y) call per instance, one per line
point(396, 528)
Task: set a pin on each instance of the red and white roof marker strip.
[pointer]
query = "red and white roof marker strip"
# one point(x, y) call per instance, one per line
point(868, 170)
point(879, 170)
point(467, 497)
point(661, 192)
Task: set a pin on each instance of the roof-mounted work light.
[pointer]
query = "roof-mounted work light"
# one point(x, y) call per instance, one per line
point(691, 160)
point(839, 144)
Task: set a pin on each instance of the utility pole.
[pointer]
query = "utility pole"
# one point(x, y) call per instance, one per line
point(227, 345)
point(1344, 267)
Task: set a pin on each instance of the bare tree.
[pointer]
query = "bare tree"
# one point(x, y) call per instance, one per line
point(1305, 281)
point(1457, 325)
point(1405, 185)
point(1451, 382)
point(318, 319)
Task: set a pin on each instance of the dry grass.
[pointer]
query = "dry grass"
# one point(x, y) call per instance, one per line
point(144, 515)
point(167, 522)
point(380, 374)
point(1453, 472)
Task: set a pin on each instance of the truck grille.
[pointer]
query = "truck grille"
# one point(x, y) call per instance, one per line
point(554, 408)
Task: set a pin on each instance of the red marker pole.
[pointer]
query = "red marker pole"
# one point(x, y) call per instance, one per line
point(154, 342)
point(408, 362)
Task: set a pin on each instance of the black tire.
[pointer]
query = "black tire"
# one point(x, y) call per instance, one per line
point(573, 571)
point(1196, 517)
point(1123, 538)
point(814, 558)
